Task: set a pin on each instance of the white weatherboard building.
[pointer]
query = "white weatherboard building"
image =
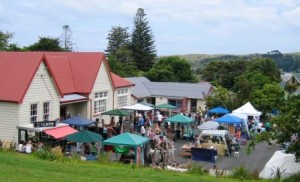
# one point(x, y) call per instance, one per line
point(49, 86)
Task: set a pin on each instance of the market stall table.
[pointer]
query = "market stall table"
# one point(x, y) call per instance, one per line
point(186, 150)
point(204, 154)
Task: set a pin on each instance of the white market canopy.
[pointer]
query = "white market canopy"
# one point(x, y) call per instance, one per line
point(209, 125)
point(137, 107)
point(247, 109)
point(215, 132)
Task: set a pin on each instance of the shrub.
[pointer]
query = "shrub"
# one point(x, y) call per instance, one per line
point(196, 168)
point(241, 173)
point(292, 178)
point(104, 157)
point(45, 153)
point(277, 173)
point(255, 174)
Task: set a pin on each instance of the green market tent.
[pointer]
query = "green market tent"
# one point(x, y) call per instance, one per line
point(179, 118)
point(116, 112)
point(165, 106)
point(123, 141)
point(84, 136)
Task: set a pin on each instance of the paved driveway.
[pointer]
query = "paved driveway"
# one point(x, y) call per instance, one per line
point(256, 160)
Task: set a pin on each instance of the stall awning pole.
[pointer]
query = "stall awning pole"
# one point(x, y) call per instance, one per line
point(135, 154)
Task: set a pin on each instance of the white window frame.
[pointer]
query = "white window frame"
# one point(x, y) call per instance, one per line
point(122, 99)
point(46, 111)
point(33, 112)
point(100, 102)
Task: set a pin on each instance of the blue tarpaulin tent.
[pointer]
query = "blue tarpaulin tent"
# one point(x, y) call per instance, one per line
point(78, 121)
point(229, 119)
point(218, 110)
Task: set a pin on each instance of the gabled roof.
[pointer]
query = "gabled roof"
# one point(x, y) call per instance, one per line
point(173, 89)
point(17, 70)
point(73, 72)
point(139, 90)
point(120, 82)
point(145, 88)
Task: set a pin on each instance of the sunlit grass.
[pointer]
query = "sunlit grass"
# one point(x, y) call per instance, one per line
point(22, 167)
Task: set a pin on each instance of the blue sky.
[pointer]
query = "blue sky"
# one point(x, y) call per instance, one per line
point(179, 26)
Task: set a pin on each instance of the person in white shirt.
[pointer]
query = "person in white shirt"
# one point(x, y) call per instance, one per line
point(28, 148)
point(143, 131)
point(21, 147)
point(159, 119)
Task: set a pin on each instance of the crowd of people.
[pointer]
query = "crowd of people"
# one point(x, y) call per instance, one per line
point(28, 147)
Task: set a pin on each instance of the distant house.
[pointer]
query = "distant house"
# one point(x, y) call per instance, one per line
point(188, 97)
point(48, 86)
point(291, 78)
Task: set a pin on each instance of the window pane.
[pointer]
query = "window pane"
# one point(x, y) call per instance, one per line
point(33, 112)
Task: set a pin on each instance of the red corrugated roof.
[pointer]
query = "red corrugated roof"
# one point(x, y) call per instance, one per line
point(73, 72)
point(119, 81)
point(17, 70)
point(60, 69)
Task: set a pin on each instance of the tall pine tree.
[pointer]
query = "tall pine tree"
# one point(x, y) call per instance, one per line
point(118, 38)
point(143, 48)
point(119, 52)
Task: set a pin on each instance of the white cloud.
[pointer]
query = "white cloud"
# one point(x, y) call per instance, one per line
point(293, 16)
point(192, 24)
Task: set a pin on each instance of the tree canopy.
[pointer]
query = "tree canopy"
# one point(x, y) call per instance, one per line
point(221, 97)
point(224, 73)
point(142, 44)
point(118, 38)
point(46, 44)
point(284, 126)
point(171, 69)
point(5, 45)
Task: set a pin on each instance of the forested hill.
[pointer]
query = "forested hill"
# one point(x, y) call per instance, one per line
point(288, 62)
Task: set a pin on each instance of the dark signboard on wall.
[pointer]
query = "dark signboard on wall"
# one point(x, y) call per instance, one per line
point(44, 124)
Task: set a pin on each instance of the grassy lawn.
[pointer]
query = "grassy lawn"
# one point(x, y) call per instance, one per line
point(22, 167)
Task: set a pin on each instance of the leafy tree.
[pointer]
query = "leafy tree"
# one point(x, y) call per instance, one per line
point(171, 69)
point(46, 44)
point(258, 73)
point(285, 126)
point(66, 39)
point(224, 73)
point(123, 69)
point(270, 97)
point(266, 67)
point(243, 88)
point(221, 97)
point(4, 40)
point(290, 87)
point(288, 123)
point(5, 44)
point(119, 52)
point(143, 47)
